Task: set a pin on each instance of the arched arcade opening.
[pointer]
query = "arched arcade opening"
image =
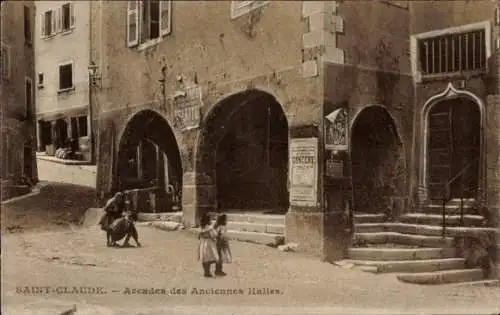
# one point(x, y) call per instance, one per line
point(149, 157)
point(243, 148)
point(377, 161)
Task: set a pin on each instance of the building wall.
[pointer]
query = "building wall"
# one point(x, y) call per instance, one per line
point(61, 48)
point(259, 50)
point(18, 129)
point(432, 16)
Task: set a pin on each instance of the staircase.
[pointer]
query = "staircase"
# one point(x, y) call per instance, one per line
point(253, 227)
point(413, 246)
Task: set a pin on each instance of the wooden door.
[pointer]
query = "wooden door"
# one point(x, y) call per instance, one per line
point(440, 151)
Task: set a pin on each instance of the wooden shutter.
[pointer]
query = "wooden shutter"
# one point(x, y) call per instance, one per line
point(42, 24)
point(59, 19)
point(132, 23)
point(53, 17)
point(72, 19)
point(165, 17)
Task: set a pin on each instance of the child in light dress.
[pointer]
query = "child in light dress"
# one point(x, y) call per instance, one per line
point(223, 249)
point(207, 249)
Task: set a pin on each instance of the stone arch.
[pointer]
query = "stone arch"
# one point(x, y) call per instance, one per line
point(449, 94)
point(224, 163)
point(148, 155)
point(378, 164)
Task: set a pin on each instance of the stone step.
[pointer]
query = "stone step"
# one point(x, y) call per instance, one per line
point(442, 277)
point(369, 218)
point(273, 240)
point(449, 209)
point(163, 216)
point(437, 219)
point(386, 254)
point(421, 229)
point(278, 219)
point(409, 266)
point(400, 238)
point(486, 283)
point(256, 227)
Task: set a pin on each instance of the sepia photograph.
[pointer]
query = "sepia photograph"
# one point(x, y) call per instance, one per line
point(250, 157)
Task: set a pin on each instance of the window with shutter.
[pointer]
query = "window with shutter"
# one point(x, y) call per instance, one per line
point(148, 21)
point(47, 28)
point(53, 24)
point(72, 21)
point(132, 23)
point(65, 76)
point(239, 8)
point(66, 17)
point(165, 17)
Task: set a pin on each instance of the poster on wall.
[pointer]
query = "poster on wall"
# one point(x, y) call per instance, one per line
point(334, 166)
point(304, 172)
point(187, 106)
point(337, 130)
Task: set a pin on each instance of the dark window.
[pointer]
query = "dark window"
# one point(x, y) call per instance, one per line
point(48, 23)
point(40, 78)
point(66, 16)
point(27, 25)
point(453, 53)
point(29, 98)
point(154, 16)
point(65, 76)
point(82, 126)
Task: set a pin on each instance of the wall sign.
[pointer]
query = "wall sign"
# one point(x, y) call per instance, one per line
point(187, 105)
point(334, 166)
point(304, 172)
point(337, 130)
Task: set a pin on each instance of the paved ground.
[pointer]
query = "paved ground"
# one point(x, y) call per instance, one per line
point(63, 257)
point(84, 175)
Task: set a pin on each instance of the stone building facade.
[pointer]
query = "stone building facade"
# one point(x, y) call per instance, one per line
point(17, 97)
point(62, 61)
point(309, 108)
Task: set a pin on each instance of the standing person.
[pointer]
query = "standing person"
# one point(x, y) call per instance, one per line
point(114, 209)
point(207, 250)
point(223, 249)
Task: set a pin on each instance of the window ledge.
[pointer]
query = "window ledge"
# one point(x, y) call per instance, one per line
point(67, 31)
point(68, 90)
point(149, 43)
point(47, 37)
point(452, 75)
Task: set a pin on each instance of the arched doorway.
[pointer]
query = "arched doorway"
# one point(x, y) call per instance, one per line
point(243, 148)
point(377, 161)
point(148, 156)
point(453, 148)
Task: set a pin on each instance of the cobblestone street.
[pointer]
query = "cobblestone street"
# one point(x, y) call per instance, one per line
point(62, 257)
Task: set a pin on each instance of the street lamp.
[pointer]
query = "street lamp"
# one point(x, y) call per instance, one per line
point(94, 76)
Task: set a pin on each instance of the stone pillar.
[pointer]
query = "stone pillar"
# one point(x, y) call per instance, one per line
point(39, 137)
point(305, 218)
point(198, 197)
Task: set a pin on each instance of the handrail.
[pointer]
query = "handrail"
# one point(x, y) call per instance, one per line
point(447, 195)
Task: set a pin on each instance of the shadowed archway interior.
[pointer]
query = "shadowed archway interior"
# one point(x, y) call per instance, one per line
point(377, 159)
point(148, 155)
point(243, 148)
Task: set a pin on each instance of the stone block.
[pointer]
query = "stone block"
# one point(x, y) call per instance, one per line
point(305, 229)
point(310, 68)
point(333, 55)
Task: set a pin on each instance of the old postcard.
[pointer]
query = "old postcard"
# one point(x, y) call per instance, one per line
point(250, 157)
